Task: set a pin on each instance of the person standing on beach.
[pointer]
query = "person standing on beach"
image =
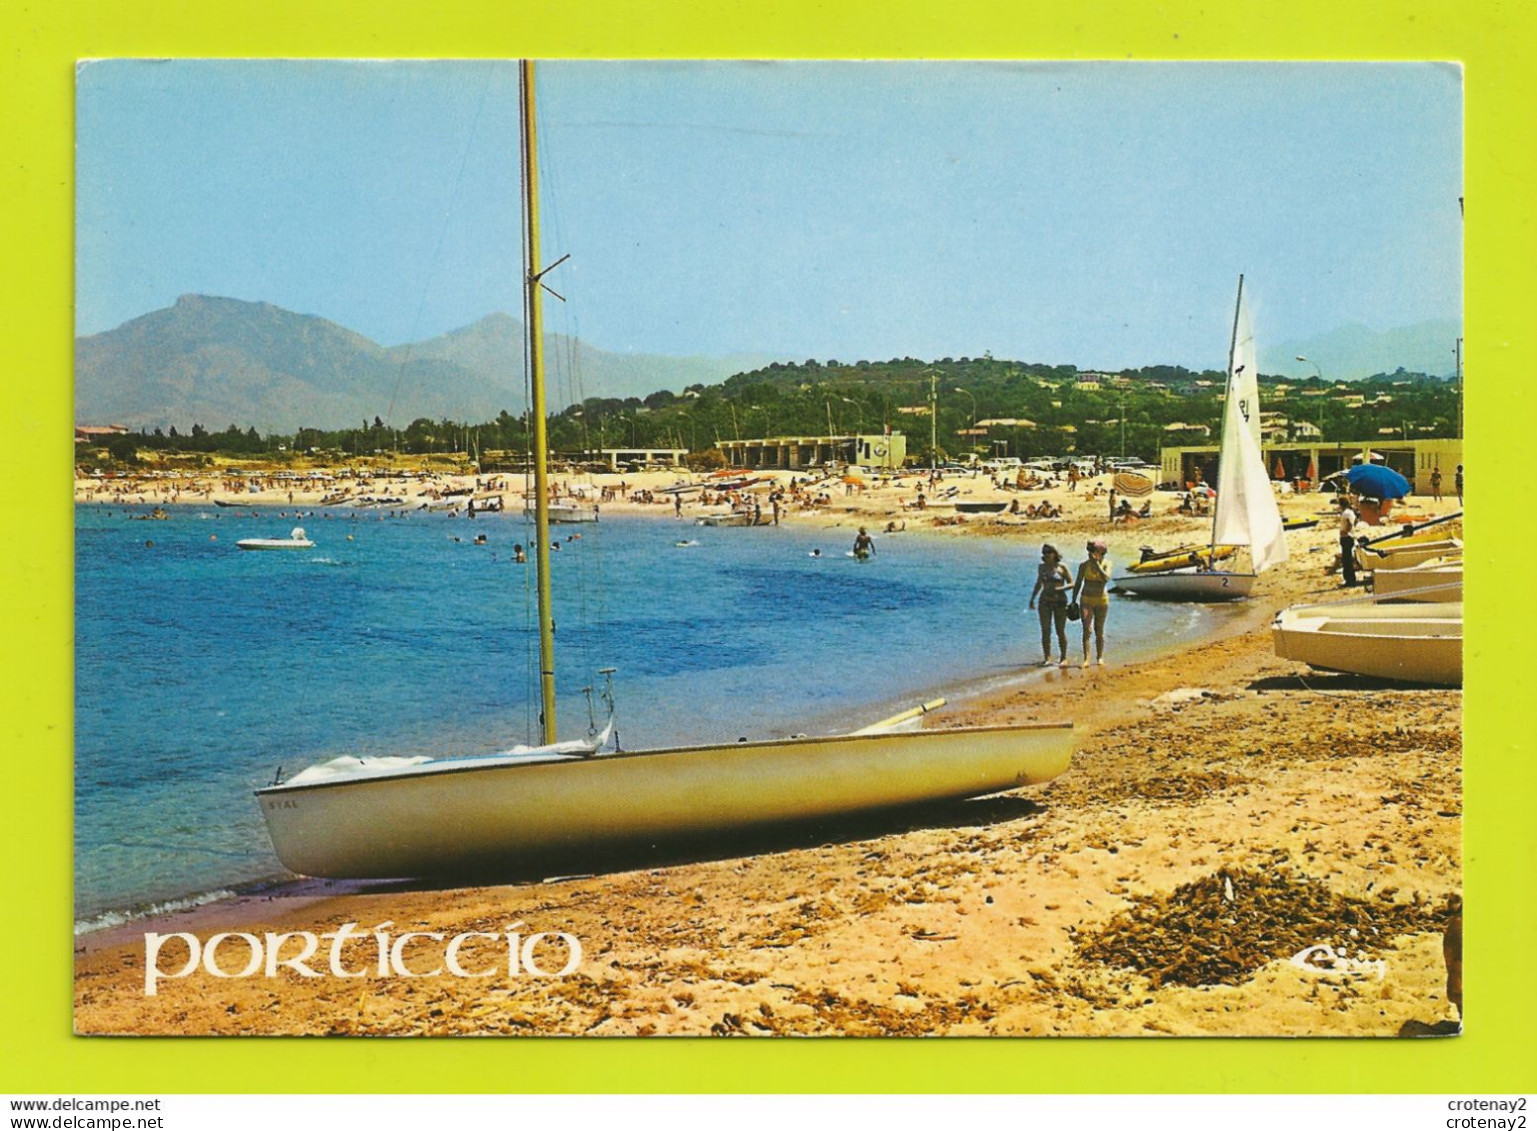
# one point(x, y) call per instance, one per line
point(1089, 592)
point(1051, 581)
point(1457, 482)
point(1347, 542)
point(1435, 484)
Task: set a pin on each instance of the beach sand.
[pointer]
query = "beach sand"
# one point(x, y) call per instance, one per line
point(1225, 810)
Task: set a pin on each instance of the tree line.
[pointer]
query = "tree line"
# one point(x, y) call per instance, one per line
point(1035, 410)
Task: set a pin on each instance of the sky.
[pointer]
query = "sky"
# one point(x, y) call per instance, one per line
point(1095, 214)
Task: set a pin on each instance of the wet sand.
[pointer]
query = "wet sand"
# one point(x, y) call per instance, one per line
point(1225, 810)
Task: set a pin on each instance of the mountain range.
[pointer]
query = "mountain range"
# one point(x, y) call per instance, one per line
point(1353, 351)
point(221, 361)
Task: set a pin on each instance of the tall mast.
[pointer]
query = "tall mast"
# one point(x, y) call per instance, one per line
point(1227, 407)
point(540, 445)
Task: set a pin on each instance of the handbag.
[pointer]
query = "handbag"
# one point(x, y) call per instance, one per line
point(1074, 611)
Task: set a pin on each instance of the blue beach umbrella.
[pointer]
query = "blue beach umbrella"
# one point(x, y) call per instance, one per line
point(1377, 481)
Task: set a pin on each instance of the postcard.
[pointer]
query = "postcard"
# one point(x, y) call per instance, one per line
point(641, 548)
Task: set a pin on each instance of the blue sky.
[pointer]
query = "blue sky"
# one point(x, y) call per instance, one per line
point(1089, 213)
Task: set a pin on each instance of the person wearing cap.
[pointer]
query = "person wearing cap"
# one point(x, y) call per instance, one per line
point(1051, 582)
point(1089, 592)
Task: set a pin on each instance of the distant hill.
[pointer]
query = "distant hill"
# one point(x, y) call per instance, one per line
point(1354, 351)
point(221, 361)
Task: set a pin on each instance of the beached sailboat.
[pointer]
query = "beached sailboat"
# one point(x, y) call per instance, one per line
point(1246, 513)
point(1416, 643)
point(405, 817)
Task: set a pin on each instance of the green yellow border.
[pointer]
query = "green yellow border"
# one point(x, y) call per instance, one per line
point(1495, 40)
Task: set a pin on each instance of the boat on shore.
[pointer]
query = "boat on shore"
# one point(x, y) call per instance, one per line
point(1181, 557)
point(730, 518)
point(981, 507)
point(463, 815)
point(1413, 643)
point(408, 817)
point(1245, 514)
point(1387, 557)
point(296, 540)
point(566, 513)
point(1439, 579)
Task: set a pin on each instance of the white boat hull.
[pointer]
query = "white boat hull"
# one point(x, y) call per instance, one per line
point(1436, 580)
point(275, 544)
point(564, 513)
point(1416, 643)
point(735, 518)
point(1407, 556)
point(468, 815)
point(1188, 585)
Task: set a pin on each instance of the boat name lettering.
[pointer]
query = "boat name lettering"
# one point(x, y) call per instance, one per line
point(354, 953)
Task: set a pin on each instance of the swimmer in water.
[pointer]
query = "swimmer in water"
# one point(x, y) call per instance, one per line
point(864, 545)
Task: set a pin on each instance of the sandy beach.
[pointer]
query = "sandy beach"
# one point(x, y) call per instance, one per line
point(1226, 811)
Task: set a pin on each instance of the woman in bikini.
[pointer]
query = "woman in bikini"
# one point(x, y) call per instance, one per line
point(1089, 591)
point(1051, 582)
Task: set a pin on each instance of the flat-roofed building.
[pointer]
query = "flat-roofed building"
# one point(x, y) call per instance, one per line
point(1414, 459)
point(791, 453)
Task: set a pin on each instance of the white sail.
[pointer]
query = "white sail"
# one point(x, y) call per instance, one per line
point(1246, 513)
point(1243, 371)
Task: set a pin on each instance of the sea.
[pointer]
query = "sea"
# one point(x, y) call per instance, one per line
point(204, 671)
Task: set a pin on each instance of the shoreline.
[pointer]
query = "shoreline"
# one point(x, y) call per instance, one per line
point(215, 908)
point(1213, 762)
point(960, 919)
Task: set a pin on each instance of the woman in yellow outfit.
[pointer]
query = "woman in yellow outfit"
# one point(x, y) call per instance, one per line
point(1089, 591)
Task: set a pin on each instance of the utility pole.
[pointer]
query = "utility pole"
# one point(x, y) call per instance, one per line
point(933, 421)
point(1458, 353)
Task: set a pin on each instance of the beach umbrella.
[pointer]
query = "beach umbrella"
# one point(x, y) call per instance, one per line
point(1378, 481)
point(1312, 471)
point(1280, 469)
point(1130, 483)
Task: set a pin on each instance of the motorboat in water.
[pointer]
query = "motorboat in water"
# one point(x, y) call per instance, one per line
point(296, 540)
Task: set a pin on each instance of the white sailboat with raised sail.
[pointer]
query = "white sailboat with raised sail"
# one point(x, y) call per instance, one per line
point(1246, 513)
point(371, 817)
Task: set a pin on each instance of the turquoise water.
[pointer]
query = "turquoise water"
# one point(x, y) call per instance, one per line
point(201, 669)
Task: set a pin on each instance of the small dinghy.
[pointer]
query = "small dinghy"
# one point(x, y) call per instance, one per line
point(1439, 579)
point(1415, 643)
